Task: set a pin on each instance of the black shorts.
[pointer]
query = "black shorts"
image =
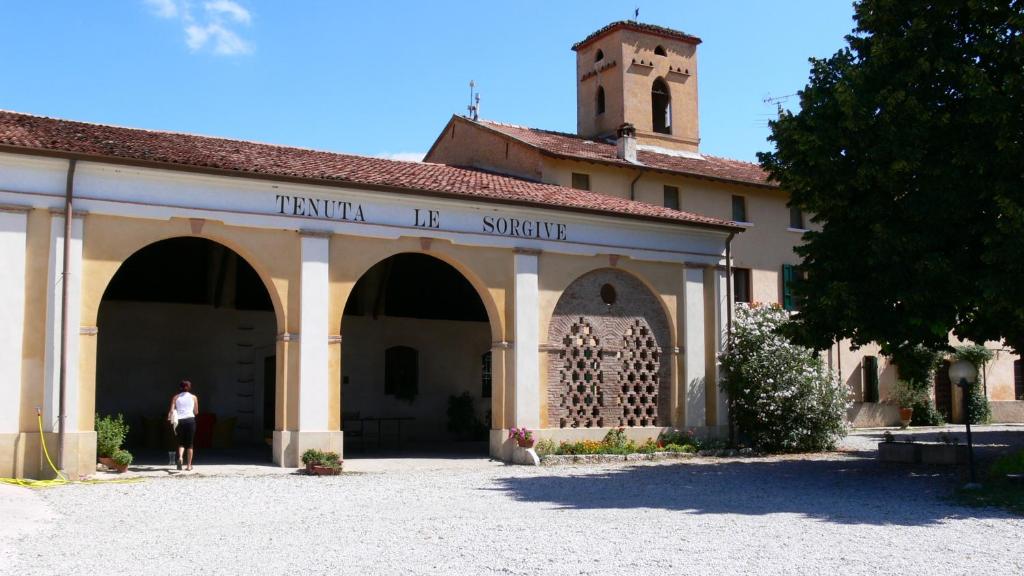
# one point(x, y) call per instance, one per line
point(186, 432)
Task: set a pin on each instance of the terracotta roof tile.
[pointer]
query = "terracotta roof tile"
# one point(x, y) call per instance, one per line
point(575, 147)
point(41, 135)
point(639, 27)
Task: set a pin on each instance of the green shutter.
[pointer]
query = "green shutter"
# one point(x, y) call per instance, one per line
point(870, 378)
point(788, 278)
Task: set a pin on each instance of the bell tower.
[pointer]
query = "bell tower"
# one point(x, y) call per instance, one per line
point(640, 74)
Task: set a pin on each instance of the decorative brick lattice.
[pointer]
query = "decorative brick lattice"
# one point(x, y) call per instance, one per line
point(626, 331)
point(580, 378)
point(640, 364)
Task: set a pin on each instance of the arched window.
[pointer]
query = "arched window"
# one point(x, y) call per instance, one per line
point(660, 51)
point(599, 56)
point(661, 107)
point(600, 100)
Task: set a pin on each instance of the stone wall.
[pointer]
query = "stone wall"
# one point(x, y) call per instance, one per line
point(606, 346)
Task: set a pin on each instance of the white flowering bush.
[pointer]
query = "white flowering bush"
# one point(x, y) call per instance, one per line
point(784, 398)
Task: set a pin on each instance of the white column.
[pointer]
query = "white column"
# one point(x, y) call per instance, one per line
point(720, 326)
point(13, 229)
point(51, 377)
point(527, 341)
point(694, 349)
point(313, 377)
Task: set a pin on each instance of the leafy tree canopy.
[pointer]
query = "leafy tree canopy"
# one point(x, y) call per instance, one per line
point(908, 150)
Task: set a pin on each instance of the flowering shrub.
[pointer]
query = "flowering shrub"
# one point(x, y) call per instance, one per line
point(784, 398)
point(522, 434)
point(616, 442)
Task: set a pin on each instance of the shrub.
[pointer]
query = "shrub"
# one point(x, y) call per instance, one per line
point(462, 419)
point(916, 364)
point(122, 457)
point(312, 456)
point(925, 414)
point(110, 434)
point(784, 398)
point(545, 447)
point(1010, 464)
point(321, 458)
point(980, 412)
point(680, 438)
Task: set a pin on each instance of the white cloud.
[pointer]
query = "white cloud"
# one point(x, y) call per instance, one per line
point(229, 8)
point(164, 8)
point(224, 41)
point(407, 156)
point(213, 29)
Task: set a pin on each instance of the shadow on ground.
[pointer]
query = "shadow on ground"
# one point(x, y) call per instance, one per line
point(850, 489)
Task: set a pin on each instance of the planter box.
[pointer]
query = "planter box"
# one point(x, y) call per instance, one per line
point(906, 452)
point(944, 454)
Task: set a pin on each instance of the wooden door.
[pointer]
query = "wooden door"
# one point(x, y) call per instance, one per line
point(944, 392)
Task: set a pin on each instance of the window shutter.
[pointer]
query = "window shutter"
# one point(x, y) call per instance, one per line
point(788, 277)
point(870, 378)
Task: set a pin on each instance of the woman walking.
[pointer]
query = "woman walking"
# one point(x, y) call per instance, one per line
point(185, 406)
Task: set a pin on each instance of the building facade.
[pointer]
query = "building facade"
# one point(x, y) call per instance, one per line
point(645, 77)
point(313, 298)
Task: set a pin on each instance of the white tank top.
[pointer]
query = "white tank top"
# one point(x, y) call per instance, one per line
point(185, 405)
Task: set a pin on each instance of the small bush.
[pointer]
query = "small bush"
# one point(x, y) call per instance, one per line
point(980, 412)
point(110, 434)
point(321, 458)
point(545, 447)
point(1011, 464)
point(783, 396)
point(925, 414)
point(122, 457)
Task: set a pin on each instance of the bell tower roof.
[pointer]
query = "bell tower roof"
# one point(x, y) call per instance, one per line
point(635, 26)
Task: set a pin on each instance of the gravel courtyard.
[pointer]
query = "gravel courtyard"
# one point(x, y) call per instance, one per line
point(841, 514)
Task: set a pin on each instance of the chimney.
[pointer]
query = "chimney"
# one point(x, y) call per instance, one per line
point(626, 144)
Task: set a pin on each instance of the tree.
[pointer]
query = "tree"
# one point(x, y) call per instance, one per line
point(908, 150)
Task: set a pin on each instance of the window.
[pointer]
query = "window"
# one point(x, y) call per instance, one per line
point(580, 181)
point(661, 107)
point(599, 56)
point(790, 278)
point(485, 375)
point(1018, 380)
point(870, 378)
point(600, 100)
point(796, 218)
point(401, 372)
point(672, 197)
point(741, 285)
point(739, 209)
point(660, 51)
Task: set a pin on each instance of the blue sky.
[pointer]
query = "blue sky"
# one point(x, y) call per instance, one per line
point(380, 78)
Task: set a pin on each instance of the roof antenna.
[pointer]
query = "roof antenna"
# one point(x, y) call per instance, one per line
point(636, 14)
point(474, 102)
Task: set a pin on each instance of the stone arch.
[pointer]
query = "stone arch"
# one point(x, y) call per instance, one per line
point(609, 362)
point(102, 278)
point(493, 317)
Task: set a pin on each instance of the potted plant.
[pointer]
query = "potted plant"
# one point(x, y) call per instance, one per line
point(906, 396)
point(322, 462)
point(110, 434)
point(121, 459)
point(522, 435)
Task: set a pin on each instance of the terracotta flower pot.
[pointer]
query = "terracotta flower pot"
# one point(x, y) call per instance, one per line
point(524, 443)
point(325, 470)
point(906, 414)
point(108, 462)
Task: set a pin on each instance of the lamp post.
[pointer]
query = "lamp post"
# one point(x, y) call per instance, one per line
point(964, 374)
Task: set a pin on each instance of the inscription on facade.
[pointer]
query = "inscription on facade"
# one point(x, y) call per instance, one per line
point(311, 207)
point(319, 208)
point(519, 228)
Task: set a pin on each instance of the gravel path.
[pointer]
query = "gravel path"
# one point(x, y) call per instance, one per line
point(832, 514)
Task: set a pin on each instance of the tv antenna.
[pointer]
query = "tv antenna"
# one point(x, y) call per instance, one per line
point(474, 102)
point(777, 100)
